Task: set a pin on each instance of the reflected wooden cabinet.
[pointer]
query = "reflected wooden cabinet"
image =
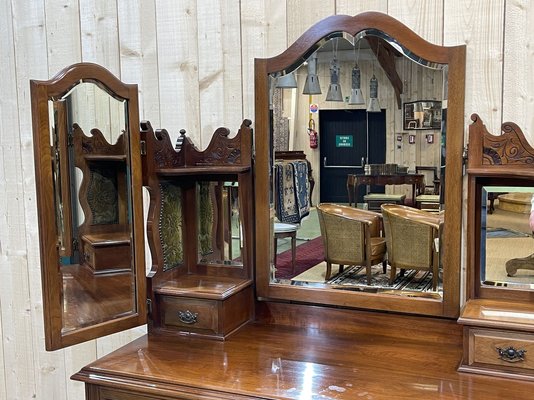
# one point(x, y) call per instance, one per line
point(498, 317)
point(92, 158)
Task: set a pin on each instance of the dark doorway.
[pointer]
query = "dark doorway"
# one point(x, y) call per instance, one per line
point(348, 137)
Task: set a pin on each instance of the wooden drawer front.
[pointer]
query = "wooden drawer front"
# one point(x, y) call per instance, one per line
point(107, 257)
point(107, 394)
point(193, 314)
point(484, 345)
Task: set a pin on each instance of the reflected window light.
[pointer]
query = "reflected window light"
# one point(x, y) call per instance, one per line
point(508, 314)
point(307, 382)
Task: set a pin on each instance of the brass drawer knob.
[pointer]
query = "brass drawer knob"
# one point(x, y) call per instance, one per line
point(511, 354)
point(188, 317)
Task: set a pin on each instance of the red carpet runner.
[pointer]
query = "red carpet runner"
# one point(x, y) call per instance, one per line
point(308, 254)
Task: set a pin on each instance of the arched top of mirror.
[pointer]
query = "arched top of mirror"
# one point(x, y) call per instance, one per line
point(65, 80)
point(400, 37)
point(409, 44)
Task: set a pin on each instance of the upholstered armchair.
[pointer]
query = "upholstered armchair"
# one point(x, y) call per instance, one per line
point(351, 237)
point(411, 239)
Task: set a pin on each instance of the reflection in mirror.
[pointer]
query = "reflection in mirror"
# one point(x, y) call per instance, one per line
point(507, 242)
point(365, 159)
point(220, 238)
point(93, 205)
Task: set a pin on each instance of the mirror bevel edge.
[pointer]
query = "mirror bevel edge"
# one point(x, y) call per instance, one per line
point(51, 277)
point(455, 58)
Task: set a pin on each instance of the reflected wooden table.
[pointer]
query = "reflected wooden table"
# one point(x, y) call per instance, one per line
point(417, 182)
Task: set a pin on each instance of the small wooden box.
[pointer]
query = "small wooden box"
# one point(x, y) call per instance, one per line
point(206, 308)
point(106, 252)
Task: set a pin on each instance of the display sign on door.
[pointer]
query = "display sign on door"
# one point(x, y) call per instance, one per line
point(344, 141)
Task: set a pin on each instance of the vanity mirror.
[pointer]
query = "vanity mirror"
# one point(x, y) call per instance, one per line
point(89, 204)
point(498, 316)
point(373, 42)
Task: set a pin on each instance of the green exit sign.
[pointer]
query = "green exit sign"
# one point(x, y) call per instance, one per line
point(344, 141)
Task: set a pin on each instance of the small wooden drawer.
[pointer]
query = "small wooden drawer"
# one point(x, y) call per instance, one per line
point(106, 252)
point(502, 349)
point(189, 313)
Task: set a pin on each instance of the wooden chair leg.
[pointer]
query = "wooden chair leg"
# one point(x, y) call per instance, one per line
point(328, 271)
point(368, 268)
point(392, 275)
point(384, 266)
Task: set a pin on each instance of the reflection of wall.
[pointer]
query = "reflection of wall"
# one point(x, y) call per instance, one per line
point(419, 84)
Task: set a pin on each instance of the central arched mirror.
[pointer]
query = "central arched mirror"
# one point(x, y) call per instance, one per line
point(359, 138)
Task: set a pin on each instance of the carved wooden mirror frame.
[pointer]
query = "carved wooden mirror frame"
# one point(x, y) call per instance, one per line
point(53, 281)
point(373, 23)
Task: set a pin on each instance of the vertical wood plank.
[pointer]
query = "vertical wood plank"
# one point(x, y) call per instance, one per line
point(178, 67)
point(263, 34)
point(219, 66)
point(303, 16)
point(29, 371)
point(354, 7)
point(518, 83)
point(423, 17)
point(139, 55)
point(480, 26)
point(99, 33)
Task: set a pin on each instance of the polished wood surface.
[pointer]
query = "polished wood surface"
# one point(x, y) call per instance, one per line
point(287, 362)
point(417, 181)
point(287, 61)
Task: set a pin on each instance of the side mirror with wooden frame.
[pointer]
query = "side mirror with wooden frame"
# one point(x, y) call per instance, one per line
point(498, 316)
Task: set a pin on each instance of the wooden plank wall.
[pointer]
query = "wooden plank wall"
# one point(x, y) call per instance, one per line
point(193, 62)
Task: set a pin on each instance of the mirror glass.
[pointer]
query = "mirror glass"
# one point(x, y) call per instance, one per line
point(507, 242)
point(365, 157)
point(90, 166)
point(220, 239)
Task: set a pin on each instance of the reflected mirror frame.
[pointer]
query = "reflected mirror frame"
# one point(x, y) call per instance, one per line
point(478, 290)
point(485, 280)
point(296, 54)
point(54, 89)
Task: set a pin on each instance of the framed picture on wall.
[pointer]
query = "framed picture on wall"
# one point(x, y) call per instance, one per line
point(423, 114)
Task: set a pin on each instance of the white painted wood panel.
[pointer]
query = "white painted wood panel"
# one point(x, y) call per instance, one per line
point(178, 67)
point(479, 24)
point(31, 371)
point(353, 7)
point(219, 69)
point(518, 82)
point(263, 34)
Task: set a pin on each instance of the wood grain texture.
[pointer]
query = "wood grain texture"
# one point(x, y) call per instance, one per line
point(518, 83)
point(480, 26)
point(285, 362)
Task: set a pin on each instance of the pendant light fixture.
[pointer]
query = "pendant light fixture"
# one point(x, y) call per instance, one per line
point(312, 80)
point(334, 90)
point(287, 81)
point(356, 96)
point(374, 105)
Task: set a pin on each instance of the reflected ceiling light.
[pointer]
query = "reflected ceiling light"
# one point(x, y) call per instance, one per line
point(334, 89)
point(374, 105)
point(356, 96)
point(287, 81)
point(312, 80)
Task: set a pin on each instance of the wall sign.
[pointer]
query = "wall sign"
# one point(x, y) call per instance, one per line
point(344, 141)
